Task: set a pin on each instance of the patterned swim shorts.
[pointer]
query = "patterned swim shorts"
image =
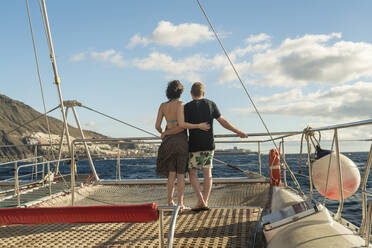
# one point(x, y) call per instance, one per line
point(200, 160)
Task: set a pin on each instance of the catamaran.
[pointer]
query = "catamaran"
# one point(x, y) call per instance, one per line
point(52, 209)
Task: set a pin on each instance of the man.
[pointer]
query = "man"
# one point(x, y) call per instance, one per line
point(201, 142)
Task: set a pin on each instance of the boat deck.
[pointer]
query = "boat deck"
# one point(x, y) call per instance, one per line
point(231, 222)
point(36, 192)
point(214, 228)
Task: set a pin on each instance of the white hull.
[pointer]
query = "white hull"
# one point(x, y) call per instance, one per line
point(318, 229)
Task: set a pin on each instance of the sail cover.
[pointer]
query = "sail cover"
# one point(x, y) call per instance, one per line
point(80, 214)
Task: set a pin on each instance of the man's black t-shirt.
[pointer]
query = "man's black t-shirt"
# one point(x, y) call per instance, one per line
point(198, 111)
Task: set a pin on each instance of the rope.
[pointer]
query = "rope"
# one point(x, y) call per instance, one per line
point(229, 165)
point(50, 150)
point(40, 81)
point(300, 158)
point(247, 93)
point(123, 122)
point(247, 173)
point(328, 171)
point(42, 18)
point(28, 122)
point(309, 135)
point(309, 132)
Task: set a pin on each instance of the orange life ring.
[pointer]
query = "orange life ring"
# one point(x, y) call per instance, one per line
point(274, 165)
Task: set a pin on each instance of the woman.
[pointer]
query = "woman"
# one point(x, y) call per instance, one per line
point(173, 152)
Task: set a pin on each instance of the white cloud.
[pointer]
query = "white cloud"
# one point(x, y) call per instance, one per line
point(341, 103)
point(110, 56)
point(240, 52)
point(288, 96)
point(187, 68)
point(228, 74)
point(103, 56)
point(166, 33)
point(258, 38)
point(77, 57)
point(307, 59)
point(90, 125)
point(320, 59)
point(138, 40)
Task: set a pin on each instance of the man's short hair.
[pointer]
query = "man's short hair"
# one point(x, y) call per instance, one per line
point(197, 89)
point(174, 90)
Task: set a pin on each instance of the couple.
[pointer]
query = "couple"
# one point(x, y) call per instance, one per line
point(176, 154)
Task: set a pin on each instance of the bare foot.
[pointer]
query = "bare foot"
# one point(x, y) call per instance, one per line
point(171, 203)
point(200, 204)
point(184, 208)
point(200, 207)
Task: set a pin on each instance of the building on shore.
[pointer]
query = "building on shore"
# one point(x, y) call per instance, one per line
point(234, 151)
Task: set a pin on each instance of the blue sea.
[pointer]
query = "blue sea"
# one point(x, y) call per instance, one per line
point(144, 168)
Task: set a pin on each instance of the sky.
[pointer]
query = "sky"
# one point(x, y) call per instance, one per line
point(302, 62)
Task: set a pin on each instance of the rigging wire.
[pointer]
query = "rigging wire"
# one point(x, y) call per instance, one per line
point(247, 93)
point(57, 79)
point(113, 118)
point(123, 122)
point(42, 18)
point(247, 173)
point(50, 150)
point(229, 165)
point(28, 122)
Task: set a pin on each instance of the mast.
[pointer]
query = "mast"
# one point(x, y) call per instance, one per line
point(57, 79)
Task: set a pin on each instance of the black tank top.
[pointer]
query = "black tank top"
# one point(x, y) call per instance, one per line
point(198, 111)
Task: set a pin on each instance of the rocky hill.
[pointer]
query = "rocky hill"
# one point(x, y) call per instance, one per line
point(13, 138)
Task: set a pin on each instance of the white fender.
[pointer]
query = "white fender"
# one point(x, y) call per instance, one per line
point(350, 176)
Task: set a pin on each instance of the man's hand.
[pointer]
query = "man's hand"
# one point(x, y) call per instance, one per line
point(242, 135)
point(204, 126)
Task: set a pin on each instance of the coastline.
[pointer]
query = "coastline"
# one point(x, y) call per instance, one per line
point(219, 152)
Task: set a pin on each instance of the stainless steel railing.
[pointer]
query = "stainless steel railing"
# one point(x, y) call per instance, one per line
point(44, 177)
point(172, 225)
point(15, 164)
point(368, 224)
point(365, 217)
point(259, 139)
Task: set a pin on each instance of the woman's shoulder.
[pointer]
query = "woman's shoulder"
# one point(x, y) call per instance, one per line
point(163, 104)
point(178, 102)
point(171, 104)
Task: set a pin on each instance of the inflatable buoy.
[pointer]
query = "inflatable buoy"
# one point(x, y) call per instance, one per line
point(349, 170)
point(274, 165)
